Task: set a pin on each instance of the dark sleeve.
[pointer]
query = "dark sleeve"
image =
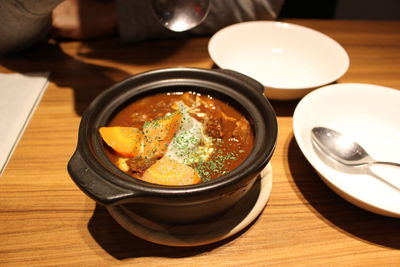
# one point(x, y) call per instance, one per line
point(136, 21)
point(226, 12)
point(24, 22)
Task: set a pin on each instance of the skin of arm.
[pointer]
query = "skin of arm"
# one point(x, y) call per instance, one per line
point(84, 19)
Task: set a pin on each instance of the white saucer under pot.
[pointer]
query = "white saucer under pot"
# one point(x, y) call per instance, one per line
point(244, 212)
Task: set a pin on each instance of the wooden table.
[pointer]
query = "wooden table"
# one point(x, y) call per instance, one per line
point(46, 220)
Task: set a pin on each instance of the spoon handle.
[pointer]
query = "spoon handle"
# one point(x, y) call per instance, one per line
point(386, 163)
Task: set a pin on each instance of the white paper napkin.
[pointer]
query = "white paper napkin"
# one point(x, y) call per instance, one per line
point(19, 96)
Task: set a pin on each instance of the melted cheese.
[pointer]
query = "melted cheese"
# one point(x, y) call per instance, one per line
point(189, 144)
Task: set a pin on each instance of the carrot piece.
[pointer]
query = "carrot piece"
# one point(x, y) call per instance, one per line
point(159, 133)
point(126, 141)
point(167, 171)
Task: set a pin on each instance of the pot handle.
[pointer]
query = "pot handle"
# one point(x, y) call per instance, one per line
point(244, 78)
point(99, 189)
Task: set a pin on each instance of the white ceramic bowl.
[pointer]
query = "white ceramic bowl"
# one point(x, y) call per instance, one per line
point(370, 114)
point(289, 60)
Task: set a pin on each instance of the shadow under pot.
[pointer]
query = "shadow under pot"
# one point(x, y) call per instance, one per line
point(101, 180)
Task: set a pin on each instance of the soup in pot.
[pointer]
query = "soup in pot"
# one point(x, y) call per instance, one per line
point(178, 138)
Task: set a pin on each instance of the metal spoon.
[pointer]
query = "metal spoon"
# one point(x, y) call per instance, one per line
point(342, 149)
point(180, 15)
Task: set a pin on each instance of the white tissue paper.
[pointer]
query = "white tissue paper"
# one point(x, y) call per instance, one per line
point(19, 96)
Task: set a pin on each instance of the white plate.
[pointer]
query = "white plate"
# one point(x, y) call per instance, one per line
point(209, 231)
point(289, 60)
point(370, 114)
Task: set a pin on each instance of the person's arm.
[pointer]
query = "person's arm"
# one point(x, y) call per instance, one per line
point(24, 22)
point(226, 12)
point(84, 19)
point(136, 21)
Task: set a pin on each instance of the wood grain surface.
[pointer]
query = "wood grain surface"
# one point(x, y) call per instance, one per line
point(45, 220)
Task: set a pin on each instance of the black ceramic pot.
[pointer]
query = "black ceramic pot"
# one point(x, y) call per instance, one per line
point(95, 175)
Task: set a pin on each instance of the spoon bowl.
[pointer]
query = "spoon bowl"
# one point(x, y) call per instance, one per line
point(180, 15)
point(343, 149)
